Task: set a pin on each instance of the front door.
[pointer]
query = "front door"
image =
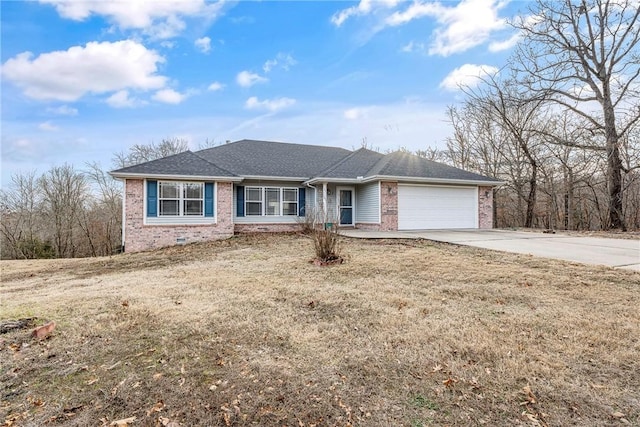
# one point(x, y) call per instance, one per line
point(345, 205)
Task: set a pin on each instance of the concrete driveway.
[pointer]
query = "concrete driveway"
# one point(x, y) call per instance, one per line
point(619, 253)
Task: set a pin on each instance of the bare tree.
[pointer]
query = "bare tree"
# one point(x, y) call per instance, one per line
point(585, 54)
point(65, 193)
point(20, 204)
point(140, 153)
point(103, 217)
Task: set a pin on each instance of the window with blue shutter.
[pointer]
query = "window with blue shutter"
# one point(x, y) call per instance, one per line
point(239, 200)
point(301, 201)
point(208, 199)
point(152, 198)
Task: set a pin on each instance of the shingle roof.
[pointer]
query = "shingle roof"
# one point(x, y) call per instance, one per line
point(185, 163)
point(283, 160)
point(277, 159)
point(354, 165)
point(402, 164)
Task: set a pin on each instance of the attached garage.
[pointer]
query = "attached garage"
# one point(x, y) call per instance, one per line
point(425, 207)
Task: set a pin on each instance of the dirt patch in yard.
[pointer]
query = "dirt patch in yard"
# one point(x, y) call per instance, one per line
point(248, 332)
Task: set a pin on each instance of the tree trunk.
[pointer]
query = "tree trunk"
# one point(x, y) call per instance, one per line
point(614, 175)
point(614, 162)
point(531, 199)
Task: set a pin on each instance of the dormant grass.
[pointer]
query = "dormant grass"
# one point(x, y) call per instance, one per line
point(248, 332)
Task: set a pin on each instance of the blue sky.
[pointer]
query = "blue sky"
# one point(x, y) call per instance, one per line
point(82, 80)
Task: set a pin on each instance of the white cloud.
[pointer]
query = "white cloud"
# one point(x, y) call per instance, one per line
point(160, 19)
point(415, 11)
point(354, 113)
point(63, 110)
point(48, 126)
point(283, 60)
point(468, 75)
point(169, 96)
point(271, 105)
point(504, 44)
point(248, 79)
point(95, 68)
point(204, 44)
point(364, 7)
point(121, 99)
point(413, 47)
point(215, 86)
point(461, 27)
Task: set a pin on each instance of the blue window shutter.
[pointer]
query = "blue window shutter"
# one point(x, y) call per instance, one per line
point(301, 201)
point(152, 198)
point(208, 199)
point(239, 201)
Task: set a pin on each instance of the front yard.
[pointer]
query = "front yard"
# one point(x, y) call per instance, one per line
point(248, 332)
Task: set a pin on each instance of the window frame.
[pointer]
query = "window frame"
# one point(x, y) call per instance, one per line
point(182, 199)
point(280, 212)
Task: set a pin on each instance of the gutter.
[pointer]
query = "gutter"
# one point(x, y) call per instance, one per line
point(362, 180)
point(178, 177)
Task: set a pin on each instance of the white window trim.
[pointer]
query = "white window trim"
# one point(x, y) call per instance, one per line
point(263, 202)
point(181, 199)
point(353, 204)
point(179, 220)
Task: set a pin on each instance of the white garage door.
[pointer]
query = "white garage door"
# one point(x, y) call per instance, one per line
point(422, 207)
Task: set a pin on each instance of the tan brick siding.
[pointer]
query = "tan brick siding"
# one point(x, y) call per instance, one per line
point(367, 226)
point(267, 228)
point(389, 204)
point(140, 237)
point(485, 207)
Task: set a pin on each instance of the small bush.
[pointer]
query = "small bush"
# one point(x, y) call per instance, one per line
point(326, 243)
point(324, 231)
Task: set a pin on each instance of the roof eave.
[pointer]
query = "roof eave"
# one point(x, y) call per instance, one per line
point(130, 175)
point(320, 180)
point(431, 180)
point(274, 178)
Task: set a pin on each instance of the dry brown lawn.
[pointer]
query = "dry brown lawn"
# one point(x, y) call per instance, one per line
point(247, 332)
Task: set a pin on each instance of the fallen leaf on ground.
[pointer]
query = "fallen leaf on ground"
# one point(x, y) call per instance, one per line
point(156, 408)
point(123, 422)
point(531, 398)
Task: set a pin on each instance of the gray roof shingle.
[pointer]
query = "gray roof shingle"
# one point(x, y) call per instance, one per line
point(354, 165)
point(185, 163)
point(402, 164)
point(277, 159)
point(283, 160)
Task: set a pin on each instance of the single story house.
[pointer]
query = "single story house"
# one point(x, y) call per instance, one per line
point(253, 186)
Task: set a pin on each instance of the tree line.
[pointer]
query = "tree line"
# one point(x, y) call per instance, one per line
point(559, 124)
point(67, 212)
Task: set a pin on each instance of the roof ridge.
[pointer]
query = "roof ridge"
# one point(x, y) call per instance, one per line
point(341, 161)
point(213, 164)
point(385, 159)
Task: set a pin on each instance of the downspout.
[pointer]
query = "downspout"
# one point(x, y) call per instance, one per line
point(315, 200)
point(324, 202)
point(124, 216)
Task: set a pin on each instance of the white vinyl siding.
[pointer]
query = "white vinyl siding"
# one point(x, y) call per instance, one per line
point(423, 207)
point(368, 203)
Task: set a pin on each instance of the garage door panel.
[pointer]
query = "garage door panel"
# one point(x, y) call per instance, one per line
point(428, 207)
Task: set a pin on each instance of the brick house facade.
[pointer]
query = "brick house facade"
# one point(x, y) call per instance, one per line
point(264, 186)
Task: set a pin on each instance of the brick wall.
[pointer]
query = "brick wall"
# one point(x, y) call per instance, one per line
point(268, 228)
point(140, 237)
point(389, 204)
point(485, 207)
point(367, 226)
